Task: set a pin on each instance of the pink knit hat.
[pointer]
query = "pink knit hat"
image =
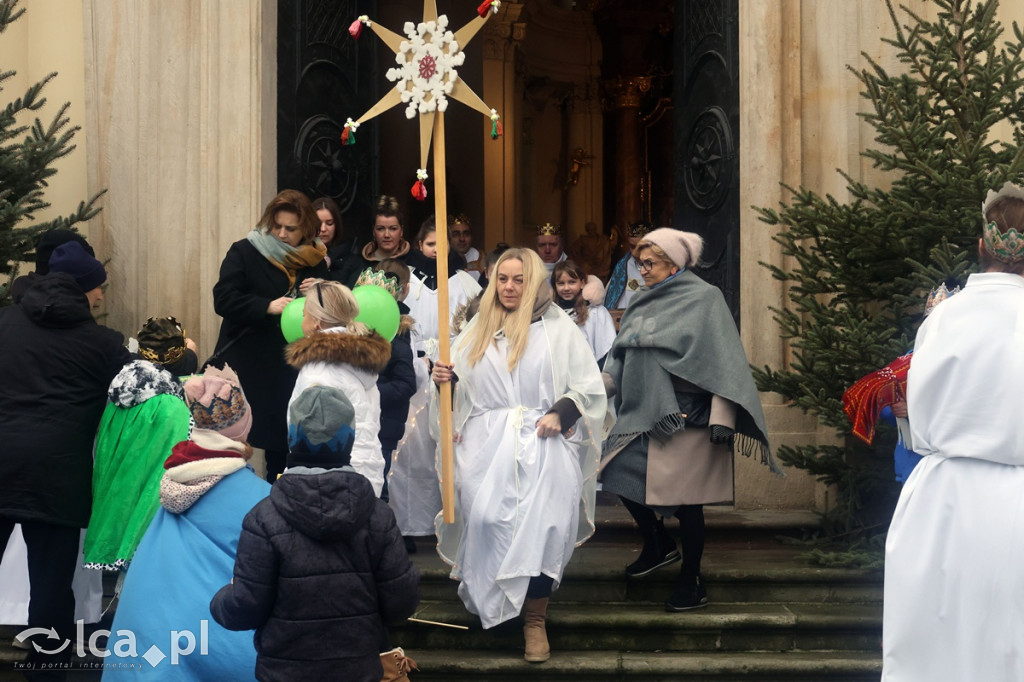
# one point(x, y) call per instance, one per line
point(217, 403)
point(683, 248)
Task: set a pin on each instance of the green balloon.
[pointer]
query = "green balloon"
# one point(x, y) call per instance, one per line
point(378, 310)
point(291, 319)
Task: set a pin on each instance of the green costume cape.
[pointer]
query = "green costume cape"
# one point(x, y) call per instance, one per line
point(131, 446)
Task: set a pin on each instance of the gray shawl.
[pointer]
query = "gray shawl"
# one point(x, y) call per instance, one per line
point(681, 328)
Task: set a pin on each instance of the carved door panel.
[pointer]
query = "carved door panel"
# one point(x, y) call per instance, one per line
point(706, 94)
point(324, 77)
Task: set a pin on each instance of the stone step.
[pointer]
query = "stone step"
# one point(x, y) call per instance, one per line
point(764, 573)
point(725, 524)
point(721, 627)
point(614, 666)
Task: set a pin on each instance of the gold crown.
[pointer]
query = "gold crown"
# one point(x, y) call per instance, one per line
point(549, 230)
point(385, 280)
point(459, 219)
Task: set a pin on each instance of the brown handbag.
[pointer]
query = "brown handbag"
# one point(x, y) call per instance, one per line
point(397, 665)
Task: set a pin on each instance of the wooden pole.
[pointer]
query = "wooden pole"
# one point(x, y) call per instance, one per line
point(443, 318)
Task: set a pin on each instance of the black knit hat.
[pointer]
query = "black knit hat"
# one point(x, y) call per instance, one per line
point(50, 240)
point(72, 258)
point(321, 429)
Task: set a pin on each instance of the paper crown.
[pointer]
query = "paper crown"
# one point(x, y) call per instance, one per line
point(378, 278)
point(937, 296)
point(639, 229)
point(1008, 246)
point(549, 230)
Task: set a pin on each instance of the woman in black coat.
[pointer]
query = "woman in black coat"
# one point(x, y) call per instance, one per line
point(339, 249)
point(259, 276)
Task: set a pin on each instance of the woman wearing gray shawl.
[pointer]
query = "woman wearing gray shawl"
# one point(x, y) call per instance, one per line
point(684, 399)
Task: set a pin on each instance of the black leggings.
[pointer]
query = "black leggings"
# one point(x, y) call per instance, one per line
point(691, 530)
point(540, 586)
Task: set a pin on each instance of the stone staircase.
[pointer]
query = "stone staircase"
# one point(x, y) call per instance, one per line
point(771, 616)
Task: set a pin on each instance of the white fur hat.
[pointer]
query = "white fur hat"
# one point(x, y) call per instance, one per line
point(684, 248)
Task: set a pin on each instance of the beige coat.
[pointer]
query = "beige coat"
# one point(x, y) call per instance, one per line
point(689, 468)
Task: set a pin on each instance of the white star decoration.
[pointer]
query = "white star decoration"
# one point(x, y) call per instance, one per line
point(426, 66)
point(426, 74)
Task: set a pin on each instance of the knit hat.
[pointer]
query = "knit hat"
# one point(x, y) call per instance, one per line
point(217, 403)
point(72, 258)
point(50, 240)
point(321, 428)
point(683, 248)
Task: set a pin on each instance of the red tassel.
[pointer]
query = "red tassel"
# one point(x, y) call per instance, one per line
point(346, 135)
point(356, 28)
point(419, 192)
point(497, 130)
point(484, 8)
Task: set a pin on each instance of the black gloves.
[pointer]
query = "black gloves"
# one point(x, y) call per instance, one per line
point(722, 435)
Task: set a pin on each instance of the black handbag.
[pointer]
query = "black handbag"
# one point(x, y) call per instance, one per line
point(694, 408)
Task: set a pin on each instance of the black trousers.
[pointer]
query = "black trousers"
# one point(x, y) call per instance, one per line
point(52, 555)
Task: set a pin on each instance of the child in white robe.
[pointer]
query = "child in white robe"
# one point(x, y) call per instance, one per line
point(568, 280)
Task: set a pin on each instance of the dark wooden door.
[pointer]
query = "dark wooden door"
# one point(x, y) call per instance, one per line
point(706, 94)
point(325, 76)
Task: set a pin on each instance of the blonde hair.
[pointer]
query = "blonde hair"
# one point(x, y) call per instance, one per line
point(494, 317)
point(333, 305)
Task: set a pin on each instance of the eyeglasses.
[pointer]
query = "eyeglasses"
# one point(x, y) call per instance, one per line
point(646, 265)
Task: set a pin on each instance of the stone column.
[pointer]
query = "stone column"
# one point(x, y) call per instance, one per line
point(624, 95)
point(181, 113)
point(501, 35)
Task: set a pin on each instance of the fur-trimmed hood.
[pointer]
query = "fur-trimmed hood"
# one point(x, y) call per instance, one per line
point(369, 353)
point(405, 324)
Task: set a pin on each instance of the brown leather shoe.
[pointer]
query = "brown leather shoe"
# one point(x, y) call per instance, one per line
point(534, 613)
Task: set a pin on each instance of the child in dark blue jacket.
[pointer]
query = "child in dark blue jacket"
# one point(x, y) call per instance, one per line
point(321, 572)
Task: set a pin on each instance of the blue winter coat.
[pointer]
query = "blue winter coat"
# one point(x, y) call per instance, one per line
point(180, 564)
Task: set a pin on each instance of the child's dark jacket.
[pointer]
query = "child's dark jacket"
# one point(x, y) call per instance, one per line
point(321, 572)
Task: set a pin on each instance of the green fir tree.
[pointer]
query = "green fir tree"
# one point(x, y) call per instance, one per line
point(28, 152)
point(948, 128)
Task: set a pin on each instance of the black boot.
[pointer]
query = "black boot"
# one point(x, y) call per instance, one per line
point(688, 594)
point(659, 547)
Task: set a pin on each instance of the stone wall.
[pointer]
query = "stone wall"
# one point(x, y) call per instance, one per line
point(181, 118)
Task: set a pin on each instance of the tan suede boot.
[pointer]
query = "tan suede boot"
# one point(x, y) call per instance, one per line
point(534, 613)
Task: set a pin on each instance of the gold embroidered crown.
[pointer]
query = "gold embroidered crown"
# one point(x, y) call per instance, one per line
point(639, 229)
point(549, 230)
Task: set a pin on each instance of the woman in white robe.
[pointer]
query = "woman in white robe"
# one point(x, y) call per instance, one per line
point(954, 588)
point(528, 406)
point(413, 489)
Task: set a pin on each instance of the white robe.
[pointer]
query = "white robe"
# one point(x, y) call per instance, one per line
point(522, 502)
point(954, 584)
point(599, 330)
point(413, 490)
